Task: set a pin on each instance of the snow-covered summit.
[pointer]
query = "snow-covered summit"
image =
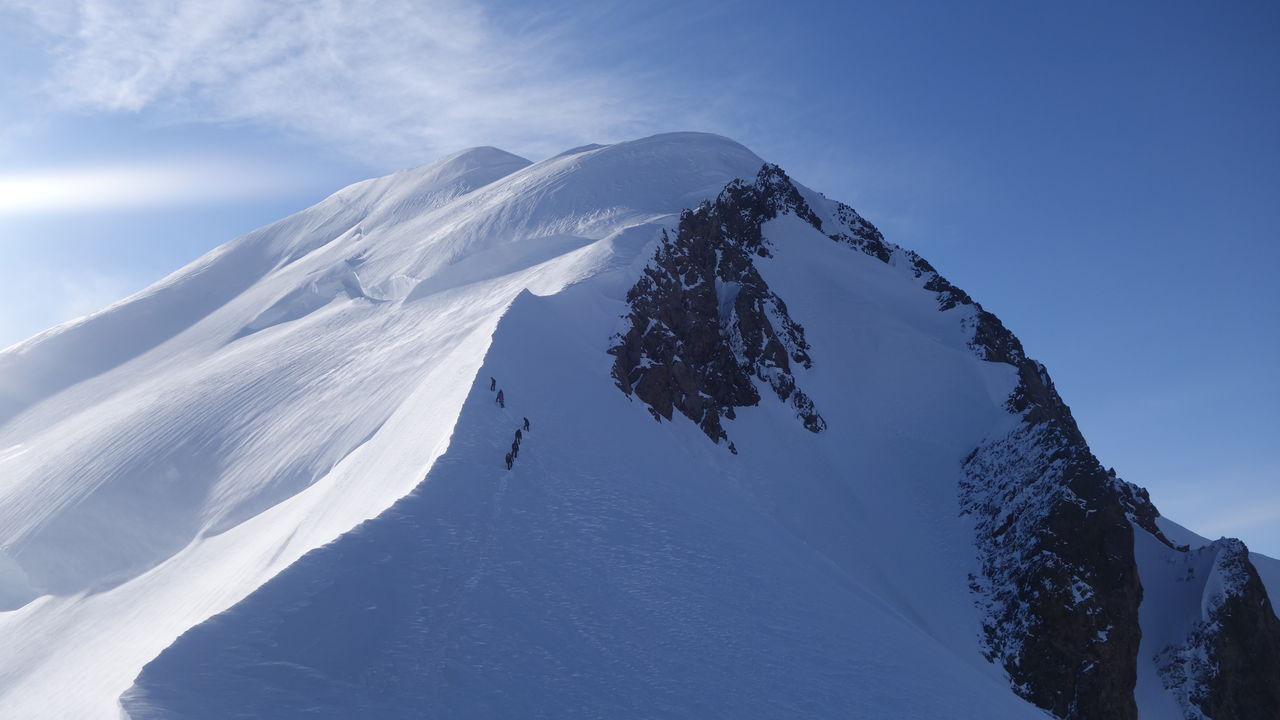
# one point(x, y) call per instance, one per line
point(311, 403)
point(171, 452)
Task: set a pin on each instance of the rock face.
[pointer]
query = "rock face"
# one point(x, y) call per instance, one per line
point(704, 325)
point(1228, 667)
point(1060, 583)
point(1059, 586)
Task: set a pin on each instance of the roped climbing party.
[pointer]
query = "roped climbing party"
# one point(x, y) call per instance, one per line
point(510, 457)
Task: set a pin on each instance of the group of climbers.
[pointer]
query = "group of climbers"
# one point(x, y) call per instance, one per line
point(515, 450)
point(515, 443)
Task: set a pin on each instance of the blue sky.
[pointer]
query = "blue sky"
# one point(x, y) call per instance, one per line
point(1103, 176)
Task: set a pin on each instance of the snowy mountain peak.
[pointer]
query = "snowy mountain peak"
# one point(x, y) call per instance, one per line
point(291, 454)
point(452, 175)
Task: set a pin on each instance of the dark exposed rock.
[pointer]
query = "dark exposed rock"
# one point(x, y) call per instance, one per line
point(704, 325)
point(949, 296)
point(1228, 668)
point(862, 235)
point(1060, 588)
point(1059, 583)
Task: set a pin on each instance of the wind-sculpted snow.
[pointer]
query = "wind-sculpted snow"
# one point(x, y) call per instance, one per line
point(627, 568)
point(596, 579)
point(164, 457)
point(209, 427)
point(289, 455)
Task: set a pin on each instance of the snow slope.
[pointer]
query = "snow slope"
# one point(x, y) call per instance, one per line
point(1181, 590)
point(288, 455)
point(808, 575)
point(164, 457)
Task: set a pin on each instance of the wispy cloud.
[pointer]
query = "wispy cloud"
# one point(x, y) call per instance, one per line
point(45, 296)
point(185, 181)
point(89, 291)
point(392, 77)
point(1237, 520)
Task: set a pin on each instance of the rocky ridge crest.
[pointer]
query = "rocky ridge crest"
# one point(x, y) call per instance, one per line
point(704, 326)
point(1059, 586)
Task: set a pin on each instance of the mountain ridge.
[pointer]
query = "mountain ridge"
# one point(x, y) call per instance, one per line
point(380, 317)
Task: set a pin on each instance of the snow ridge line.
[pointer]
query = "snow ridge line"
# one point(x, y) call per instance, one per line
point(1226, 666)
point(1060, 619)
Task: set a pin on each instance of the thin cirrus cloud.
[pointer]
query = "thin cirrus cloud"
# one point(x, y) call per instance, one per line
point(386, 78)
point(1262, 515)
point(112, 187)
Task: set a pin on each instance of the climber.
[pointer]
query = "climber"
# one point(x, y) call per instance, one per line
point(519, 436)
point(493, 384)
point(515, 449)
point(501, 403)
point(526, 424)
point(509, 460)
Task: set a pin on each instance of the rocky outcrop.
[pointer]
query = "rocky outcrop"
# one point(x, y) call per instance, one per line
point(854, 230)
point(1059, 583)
point(1228, 668)
point(1059, 586)
point(704, 325)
